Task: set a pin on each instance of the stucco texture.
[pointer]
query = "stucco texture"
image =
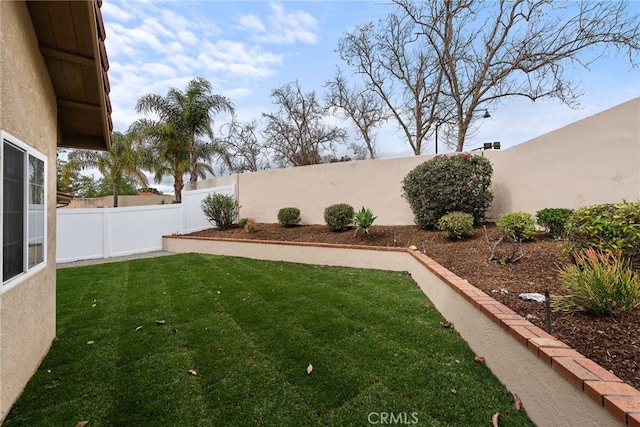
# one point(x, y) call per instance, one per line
point(28, 113)
point(595, 160)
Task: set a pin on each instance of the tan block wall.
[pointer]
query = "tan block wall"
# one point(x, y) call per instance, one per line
point(28, 112)
point(595, 160)
point(123, 201)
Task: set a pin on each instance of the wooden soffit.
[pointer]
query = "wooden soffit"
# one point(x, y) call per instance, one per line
point(71, 39)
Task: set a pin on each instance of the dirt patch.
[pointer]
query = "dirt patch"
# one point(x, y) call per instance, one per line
point(613, 342)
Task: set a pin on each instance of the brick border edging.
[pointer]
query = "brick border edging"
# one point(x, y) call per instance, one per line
point(619, 398)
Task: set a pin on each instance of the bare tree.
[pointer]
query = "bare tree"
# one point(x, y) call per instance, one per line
point(397, 67)
point(489, 51)
point(297, 133)
point(363, 107)
point(241, 148)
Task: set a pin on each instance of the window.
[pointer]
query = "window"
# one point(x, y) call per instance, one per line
point(23, 208)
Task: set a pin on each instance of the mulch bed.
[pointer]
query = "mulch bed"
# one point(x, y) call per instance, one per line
point(612, 342)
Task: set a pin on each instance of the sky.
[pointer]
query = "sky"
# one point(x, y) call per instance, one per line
point(247, 48)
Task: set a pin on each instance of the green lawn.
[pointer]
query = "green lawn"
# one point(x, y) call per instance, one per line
point(249, 329)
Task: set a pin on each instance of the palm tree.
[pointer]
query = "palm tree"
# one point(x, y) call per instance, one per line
point(166, 152)
point(121, 162)
point(190, 113)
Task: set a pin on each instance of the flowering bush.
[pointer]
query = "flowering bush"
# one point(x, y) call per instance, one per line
point(451, 183)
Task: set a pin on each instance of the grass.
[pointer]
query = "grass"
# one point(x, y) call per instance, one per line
point(249, 329)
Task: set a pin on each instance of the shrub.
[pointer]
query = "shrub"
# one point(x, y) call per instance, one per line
point(250, 225)
point(242, 222)
point(456, 225)
point(602, 283)
point(554, 219)
point(289, 217)
point(221, 210)
point(608, 228)
point(455, 183)
point(363, 220)
point(517, 225)
point(339, 216)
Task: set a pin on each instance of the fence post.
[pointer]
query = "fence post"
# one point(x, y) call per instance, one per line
point(106, 232)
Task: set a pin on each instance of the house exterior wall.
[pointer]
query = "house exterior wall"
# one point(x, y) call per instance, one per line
point(27, 112)
point(595, 160)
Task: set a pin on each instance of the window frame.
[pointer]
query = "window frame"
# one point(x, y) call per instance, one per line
point(27, 151)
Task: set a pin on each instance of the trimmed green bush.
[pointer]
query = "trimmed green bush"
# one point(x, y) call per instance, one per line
point(553, 219)
point(456, 225)
point(607, 227)
point(242, 222)
point(452, 183)
point(221, 210)
point(517, 225)
point(602, 283)
point(289, 217)
point(339, 216)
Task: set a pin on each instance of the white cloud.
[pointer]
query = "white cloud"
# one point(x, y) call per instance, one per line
point(238, 58)
point(251, 23)
point(283, 27)
point(237, 93)
point(112, 12)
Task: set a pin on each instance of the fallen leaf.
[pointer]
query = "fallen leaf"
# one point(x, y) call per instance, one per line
point(454, 391)
point(82, 423)
point(193, 372)
point(494, 419)
point(309, 368)
point(479, 359)
point(175, 330)
point(445, 324)
point(517, 403)
point(160, 322)
point(90, 342)
point(138, 328)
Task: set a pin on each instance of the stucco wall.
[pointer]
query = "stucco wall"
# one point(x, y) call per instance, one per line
point(28, 112)
point(595, 160)
point(123, 201)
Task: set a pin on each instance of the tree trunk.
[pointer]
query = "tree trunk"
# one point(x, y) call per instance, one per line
point(177, 188)
point(115, 196)
point(193, 179)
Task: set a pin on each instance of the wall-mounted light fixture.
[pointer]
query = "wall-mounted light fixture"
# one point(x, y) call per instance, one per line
point(488, 146)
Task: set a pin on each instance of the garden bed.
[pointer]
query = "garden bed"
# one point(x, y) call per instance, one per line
point(611, 342)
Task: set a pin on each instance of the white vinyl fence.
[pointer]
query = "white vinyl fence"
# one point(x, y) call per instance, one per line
point(109, 232)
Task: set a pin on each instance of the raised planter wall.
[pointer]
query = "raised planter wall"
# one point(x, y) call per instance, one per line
point(557, 385)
